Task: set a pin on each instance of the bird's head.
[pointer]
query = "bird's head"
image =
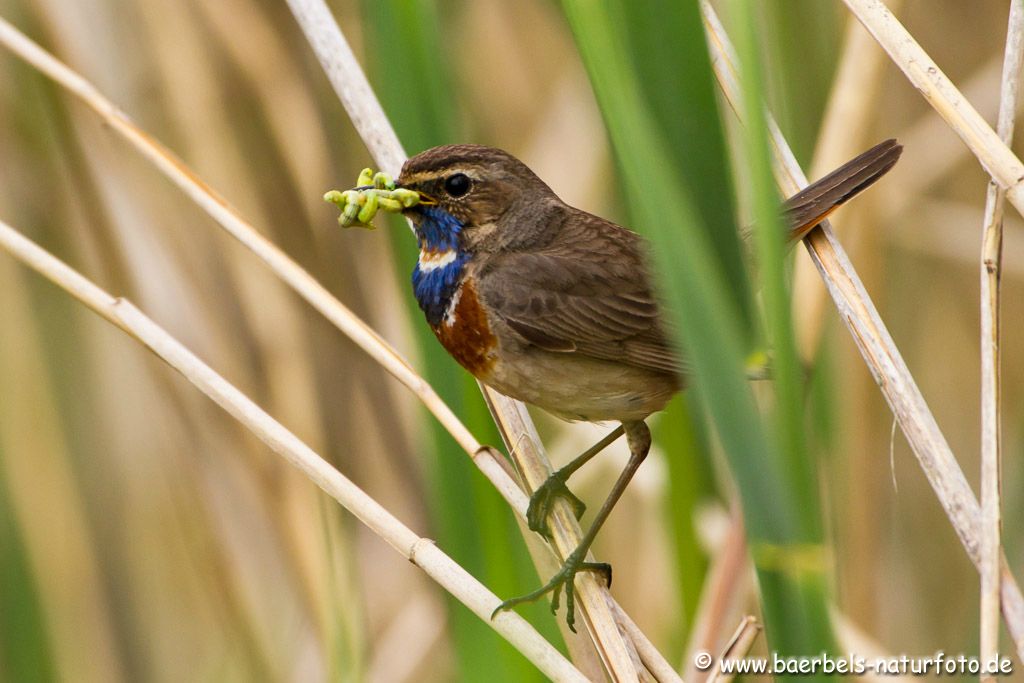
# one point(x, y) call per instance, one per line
point(479, 186)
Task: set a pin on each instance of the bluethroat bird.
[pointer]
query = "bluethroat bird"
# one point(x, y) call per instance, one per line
point(554, 306)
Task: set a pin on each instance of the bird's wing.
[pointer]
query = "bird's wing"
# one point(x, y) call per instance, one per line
point(586, 293)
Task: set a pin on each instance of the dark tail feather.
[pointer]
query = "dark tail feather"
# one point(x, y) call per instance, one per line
point(814, 203)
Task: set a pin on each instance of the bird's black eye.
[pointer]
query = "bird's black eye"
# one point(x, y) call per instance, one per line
point(457, 185)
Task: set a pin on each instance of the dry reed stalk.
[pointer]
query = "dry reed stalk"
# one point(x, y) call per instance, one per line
point(525, 449)
point(517, 422)
point(739, 645)
point(991, 428)
point(873, 339)
point(420, 551)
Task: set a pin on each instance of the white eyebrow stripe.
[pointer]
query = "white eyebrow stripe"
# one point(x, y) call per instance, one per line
point(432, 260)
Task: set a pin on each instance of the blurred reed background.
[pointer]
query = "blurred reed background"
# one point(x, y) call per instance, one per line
point(145, 536)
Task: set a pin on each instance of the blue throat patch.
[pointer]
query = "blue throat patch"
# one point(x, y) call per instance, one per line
point(438, 232)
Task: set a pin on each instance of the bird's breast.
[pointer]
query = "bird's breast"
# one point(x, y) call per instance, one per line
point(465, 332)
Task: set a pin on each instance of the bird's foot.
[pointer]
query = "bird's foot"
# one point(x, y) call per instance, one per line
point(563, 579)
point(543, 499)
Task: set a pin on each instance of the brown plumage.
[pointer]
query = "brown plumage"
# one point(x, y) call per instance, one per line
point(563, 287)
point(554, 306)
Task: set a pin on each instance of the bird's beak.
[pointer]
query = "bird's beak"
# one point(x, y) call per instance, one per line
point(427, 200)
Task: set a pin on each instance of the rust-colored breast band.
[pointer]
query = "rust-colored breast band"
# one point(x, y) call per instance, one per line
point(466, 334)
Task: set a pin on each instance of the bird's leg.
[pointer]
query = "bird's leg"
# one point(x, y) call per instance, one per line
point(546, 494)
point(639, 438)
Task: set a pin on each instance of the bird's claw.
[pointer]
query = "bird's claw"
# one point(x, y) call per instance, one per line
point(543, 499)
point(565, 578)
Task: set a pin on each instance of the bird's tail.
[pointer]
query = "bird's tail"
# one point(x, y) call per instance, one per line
point(814, 203)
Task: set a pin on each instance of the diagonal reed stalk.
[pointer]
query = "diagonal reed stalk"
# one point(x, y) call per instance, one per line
point(873, 340)
point(420, 551)
point(514, 422)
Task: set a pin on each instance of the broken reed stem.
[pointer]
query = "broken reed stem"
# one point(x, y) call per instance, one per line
point(420, 551)
point(876, 346)
point(489, 461)
point(517, 428)
point(738, 646)
point(991, 395)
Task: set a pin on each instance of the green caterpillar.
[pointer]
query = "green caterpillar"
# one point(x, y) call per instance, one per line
point(373, 192)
